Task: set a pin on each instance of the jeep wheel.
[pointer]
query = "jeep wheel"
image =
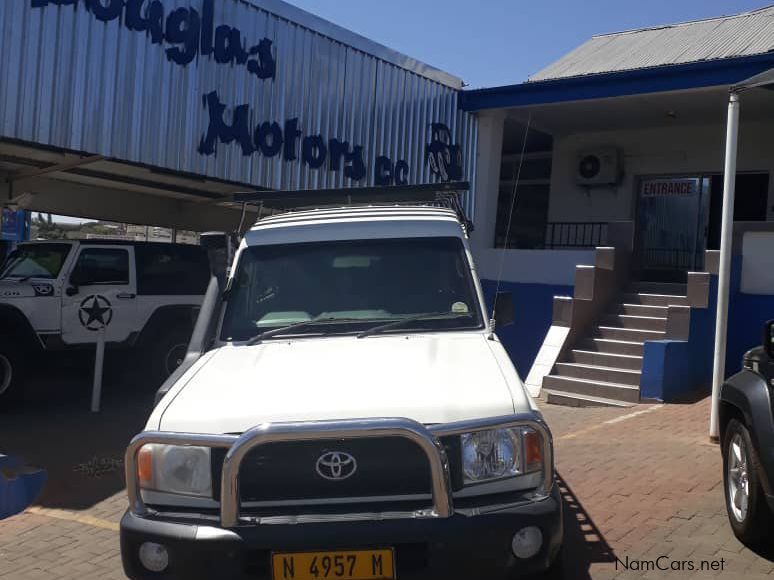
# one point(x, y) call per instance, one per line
point(168, 354)
point(745, 502)
point(11, 375)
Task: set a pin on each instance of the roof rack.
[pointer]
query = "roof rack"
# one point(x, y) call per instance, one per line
point(445, 195)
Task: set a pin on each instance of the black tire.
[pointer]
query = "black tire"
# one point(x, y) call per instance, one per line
point(746, 505)
point(168, 352)
point(13, 373)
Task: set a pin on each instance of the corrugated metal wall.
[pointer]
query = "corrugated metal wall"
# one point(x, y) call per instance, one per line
point(72, 81)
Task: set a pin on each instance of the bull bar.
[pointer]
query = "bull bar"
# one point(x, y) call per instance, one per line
point(427, 438)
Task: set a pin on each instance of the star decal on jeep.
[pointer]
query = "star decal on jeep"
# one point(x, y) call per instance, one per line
point(95, 312)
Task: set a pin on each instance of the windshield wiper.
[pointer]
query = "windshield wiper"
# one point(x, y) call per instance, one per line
point(403, 321)
point(283, 329)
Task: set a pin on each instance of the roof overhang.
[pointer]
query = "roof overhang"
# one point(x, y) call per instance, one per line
point(725, 72)
point(764, 80)
point(72, 183)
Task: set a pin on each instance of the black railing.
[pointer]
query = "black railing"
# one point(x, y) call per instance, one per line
point(672, 259)
point(575, 235)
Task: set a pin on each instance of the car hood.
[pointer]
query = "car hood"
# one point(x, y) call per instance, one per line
point(433, 378)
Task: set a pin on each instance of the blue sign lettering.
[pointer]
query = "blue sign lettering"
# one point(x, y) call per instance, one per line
point(189, 32)
point(270, 138)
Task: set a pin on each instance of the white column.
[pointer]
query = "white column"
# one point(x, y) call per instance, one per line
point(724, 275)
point(489, 155)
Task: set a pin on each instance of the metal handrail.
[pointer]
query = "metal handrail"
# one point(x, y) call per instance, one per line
point(240, 445)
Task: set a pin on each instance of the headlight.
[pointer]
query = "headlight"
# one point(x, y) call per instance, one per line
point(500, 453)
point(176, 469)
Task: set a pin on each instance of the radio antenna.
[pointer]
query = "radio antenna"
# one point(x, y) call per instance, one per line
point(517, 176)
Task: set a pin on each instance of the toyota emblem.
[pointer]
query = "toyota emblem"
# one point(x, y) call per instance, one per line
point(336, 465)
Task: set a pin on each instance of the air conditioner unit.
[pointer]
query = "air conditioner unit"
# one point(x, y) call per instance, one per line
point(598, 167)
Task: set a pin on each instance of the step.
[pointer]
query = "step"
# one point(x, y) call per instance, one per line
point(628, 334)
point(612, 346)
point(635, 322)
point(605, 359)
point(586, 387)
point(575, 400)
point(655, 299)
point(598, 373)
point(659, 288)
point(641, 310)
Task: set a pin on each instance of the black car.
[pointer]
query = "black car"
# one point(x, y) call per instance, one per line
point(747, 438)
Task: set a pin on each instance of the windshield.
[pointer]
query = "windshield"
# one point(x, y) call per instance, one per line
point(35, 261)
point(350, 286)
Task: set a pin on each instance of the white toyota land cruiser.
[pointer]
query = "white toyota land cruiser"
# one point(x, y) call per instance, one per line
point(345, 410)
point(59, 295)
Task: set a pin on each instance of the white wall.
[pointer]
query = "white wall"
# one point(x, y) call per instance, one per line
point(489, 148)
point(532, 266)
point(758, 263)
point(657, 151)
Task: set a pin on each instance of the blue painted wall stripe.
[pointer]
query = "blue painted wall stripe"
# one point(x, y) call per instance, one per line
point(533, 305)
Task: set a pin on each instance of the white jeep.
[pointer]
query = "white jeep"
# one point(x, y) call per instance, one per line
point(60, 295)
point(345, 411)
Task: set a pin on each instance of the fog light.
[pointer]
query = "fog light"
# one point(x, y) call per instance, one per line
point(527, 542)
point(154, 557)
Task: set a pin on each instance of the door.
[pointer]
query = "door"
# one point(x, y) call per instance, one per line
point(672, 227)
point(101, 292)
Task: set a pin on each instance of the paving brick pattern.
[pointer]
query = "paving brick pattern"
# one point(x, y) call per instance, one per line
point(641, 483)
point(645, 487)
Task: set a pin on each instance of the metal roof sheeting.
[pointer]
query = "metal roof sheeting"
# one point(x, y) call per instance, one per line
point(746, 34)
point(74, 81)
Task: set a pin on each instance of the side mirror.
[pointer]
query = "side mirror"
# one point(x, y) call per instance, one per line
point(768, 338)
point(71, 290)
point(503, 311)
point(77, 278)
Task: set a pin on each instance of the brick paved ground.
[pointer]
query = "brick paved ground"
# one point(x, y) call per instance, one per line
point(643, 486)
point(638, 483)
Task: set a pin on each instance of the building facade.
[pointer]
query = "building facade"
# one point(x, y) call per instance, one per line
point(623, 147)
point(163, 106)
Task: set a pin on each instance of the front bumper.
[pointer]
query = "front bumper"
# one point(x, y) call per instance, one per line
point(461, 546)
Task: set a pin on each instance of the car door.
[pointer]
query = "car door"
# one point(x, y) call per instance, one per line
point(101, 292)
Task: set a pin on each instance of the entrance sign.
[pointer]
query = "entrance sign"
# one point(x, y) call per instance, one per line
point(255, 92)
point(680, 186)
point(671, 222)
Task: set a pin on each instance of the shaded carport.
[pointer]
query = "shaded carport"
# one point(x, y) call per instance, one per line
point(80, 184)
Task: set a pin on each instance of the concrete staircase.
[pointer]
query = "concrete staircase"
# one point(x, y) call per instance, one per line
point(604, 368)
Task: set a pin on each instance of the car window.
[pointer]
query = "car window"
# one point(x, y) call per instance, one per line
point(166, 269)
point(35, 260)
point(102, 266)
point(358, 280)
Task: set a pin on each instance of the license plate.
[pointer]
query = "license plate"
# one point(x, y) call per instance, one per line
point(347, 565)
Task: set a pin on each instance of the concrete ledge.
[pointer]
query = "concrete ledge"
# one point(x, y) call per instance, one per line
point(584, 282)
point(698, 289)
point(604, 258)
point(678, 322)
point(562, 314)
point(712, 262)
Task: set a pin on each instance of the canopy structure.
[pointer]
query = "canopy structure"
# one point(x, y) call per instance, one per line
point(763, 80)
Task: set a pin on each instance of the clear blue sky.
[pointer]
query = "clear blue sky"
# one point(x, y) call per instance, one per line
point(497, 42)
